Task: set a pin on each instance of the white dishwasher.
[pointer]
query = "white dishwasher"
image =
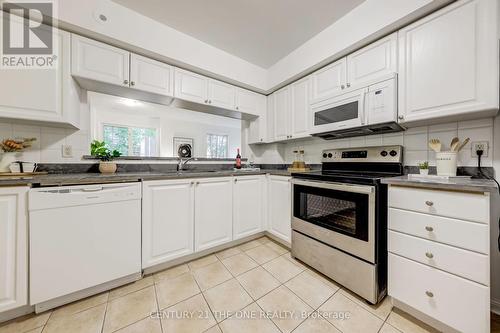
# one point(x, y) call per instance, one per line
point(83, 240)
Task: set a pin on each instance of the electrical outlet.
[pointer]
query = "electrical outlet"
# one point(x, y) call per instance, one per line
point(67, 151)
point(479, 145)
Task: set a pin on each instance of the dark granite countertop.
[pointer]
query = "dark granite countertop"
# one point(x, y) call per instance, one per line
point(460, 184)
point(122, 177)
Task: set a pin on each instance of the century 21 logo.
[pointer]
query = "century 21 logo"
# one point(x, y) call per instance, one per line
point(24, 36)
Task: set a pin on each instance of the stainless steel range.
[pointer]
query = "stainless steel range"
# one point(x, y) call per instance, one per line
point(339, 217)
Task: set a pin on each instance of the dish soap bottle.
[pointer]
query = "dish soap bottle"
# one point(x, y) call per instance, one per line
point(238, 160)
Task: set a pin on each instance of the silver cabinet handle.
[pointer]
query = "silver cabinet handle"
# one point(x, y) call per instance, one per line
point(429, 255)
point(429, 293)
point(125, 82)
point(342, 87)
point(197, 183)
point(206, 101)
point(261, 139)
point(237, 108)
point(209, 101)
point(401, 117)
point(132, 83)
point(429, 203)
point(348, 85)
point(235, 180)
point(428, 228)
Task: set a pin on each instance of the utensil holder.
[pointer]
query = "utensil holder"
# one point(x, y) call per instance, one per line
point(446, 163)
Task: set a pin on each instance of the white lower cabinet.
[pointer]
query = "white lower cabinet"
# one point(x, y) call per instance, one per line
point(280, 207)
point(213, 212)
point(248, 205)
point(13, 248)
point(439, 263)
point(167, 220)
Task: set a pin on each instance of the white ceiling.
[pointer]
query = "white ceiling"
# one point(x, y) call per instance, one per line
point(259, 31)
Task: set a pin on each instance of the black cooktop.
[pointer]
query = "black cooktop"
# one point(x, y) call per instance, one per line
point(344, 177)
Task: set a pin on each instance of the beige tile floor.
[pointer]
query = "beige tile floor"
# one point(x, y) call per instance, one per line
point(254, 287)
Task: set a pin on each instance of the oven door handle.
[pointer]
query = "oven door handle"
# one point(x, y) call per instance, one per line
point(363, 189)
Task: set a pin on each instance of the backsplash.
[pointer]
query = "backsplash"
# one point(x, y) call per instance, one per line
point(415, 141)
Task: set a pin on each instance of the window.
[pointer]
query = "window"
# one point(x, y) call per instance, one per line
point(217, 146)
point(131, 141)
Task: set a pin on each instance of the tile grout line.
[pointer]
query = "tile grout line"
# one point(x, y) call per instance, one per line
point(157, 305)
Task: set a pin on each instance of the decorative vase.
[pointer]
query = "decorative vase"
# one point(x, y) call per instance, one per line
point(6, 159)
point(107, 167)
point(424, 172)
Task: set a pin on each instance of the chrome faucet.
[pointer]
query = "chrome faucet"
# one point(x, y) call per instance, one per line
point(182, 162)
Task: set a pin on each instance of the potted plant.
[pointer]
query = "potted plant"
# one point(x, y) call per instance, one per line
point(100, 150)
point(10, 148)
point(424, 168)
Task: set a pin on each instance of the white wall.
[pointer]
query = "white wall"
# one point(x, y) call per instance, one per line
point(415, 141)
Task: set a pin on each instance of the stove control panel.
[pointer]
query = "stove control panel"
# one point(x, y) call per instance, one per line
point(389, 154)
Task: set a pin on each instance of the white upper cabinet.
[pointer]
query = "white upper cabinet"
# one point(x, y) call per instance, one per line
point(151, 75)
point(329, 80)
point(43, 95)
point(270, 118)
point(213, 212)
point(221, 94)
point(250, 102)
point(248, 205)
point(300, 115)
point(448, 62)
point(282, 114)
point(280, 207)
point(191, 87)
point(167, 220)
point(99, 61)
point(13, 248)
point(372, 62)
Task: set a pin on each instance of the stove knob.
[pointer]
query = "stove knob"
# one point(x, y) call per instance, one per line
point(393, 153)
point(324, 155)
point(383, 153)
point(329, 155)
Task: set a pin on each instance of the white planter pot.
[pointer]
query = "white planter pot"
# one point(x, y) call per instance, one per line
point(107, 167)
point(6, 159)
point(424, 172)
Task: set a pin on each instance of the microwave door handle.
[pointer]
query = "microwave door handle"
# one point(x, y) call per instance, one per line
point(363, 107)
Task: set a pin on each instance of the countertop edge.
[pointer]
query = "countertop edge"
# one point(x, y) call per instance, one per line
point(470, 185)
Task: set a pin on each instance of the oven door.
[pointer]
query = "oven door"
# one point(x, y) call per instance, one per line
point(340, 112)
point(338, 214)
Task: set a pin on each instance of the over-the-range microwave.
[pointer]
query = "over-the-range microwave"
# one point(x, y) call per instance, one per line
point(368, 110)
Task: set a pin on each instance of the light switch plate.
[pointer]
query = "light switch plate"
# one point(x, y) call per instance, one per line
point(67, 151)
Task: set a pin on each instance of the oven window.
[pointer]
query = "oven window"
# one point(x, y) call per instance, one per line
point(337, 114)
point(343, 212)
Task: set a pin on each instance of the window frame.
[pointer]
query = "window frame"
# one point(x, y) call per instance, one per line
point(129, 132)
point(217, 134)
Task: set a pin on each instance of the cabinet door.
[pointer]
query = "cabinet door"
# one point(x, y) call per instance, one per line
point(98, 61)
point(270, 137)
point(448, 62)
point(300, 115)
point(248, 212)
point(329, 80)
point(282, 114)
point(249, 102)
point(213, 212)
point(191, 87)
point(13, 248)
point(151, 75)
point(221, 94)
point(46, 95)
point(257, 129)
point(377, 60)
point(167, 220)
point(280, 207)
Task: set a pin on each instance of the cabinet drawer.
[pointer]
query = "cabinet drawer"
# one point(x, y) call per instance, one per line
point(459, 303)
point(467, 235)
point(465, 206)
point(467, 264)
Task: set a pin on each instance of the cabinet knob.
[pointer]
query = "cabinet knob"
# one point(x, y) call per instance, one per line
point(429, 203)
point(261, 140)
point(429, 293)
point(237, 108)
point(125, 82)
point(209, 101)
point(132, 83)
point(429, 255)
point(235, 180)
point(428, 228)
point(342, 87)
point(206, 101)
point(348, 85)
point(192, 183)
point(401, 117)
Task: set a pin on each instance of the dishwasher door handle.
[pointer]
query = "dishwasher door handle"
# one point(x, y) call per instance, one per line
point(92, 189)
